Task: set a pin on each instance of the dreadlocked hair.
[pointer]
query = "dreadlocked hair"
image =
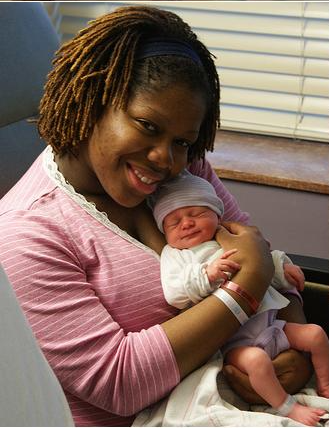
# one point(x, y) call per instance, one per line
point(98, 68)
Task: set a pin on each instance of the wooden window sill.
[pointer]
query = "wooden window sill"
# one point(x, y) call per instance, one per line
point(273, 161)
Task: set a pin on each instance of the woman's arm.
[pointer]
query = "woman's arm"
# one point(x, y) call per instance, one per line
point(54, 268)
point(196, 334)
point(294, 311)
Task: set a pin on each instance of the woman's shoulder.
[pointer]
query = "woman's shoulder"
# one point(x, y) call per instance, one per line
point(31, 187)
point(200, 167)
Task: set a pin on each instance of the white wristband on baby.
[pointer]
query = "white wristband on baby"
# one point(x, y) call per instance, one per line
point(233, 306)
point(287, 405)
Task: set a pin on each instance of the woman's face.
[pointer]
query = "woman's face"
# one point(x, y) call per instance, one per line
point(130, 152)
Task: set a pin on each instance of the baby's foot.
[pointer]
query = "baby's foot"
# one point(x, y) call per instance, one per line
point(306, 415)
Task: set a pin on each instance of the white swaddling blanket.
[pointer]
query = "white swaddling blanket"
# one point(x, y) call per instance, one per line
point(204, 399)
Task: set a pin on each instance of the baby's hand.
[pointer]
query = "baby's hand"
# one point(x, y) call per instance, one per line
point(294, 275)
point(221, 268)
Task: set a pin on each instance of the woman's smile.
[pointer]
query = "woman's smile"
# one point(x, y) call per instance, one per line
point(143, 181)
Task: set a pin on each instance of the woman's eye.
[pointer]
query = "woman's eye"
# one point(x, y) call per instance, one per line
point(147, 125)
point(183, 143)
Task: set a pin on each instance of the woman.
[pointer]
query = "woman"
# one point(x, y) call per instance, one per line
point(131, 101)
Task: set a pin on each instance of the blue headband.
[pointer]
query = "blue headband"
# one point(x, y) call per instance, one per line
point(159, 46)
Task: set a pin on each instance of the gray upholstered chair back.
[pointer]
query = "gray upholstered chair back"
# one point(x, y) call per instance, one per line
point(27, 44)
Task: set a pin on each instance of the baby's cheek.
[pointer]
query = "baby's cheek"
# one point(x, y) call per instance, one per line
point(171, 238)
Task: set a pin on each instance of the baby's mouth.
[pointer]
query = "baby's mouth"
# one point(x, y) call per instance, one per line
point(191, 234)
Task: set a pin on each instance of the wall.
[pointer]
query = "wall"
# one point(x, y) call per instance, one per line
point(293, 221)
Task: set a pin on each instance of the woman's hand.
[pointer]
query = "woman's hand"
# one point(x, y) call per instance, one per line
point(253, 256)
point(292, 368)
point(248, 239)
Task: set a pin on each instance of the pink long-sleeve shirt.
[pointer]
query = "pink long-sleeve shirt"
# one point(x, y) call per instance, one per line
point(92, 295)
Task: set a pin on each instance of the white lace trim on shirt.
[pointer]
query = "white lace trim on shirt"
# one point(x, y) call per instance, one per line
point(51, 169)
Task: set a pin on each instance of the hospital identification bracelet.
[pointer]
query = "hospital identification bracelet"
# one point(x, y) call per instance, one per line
point(252, 302)
point(232, 305)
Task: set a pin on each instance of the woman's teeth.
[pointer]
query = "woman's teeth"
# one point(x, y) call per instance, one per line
point(143, 178)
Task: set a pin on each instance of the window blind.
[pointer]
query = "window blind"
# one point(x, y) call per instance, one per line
point(272, 59)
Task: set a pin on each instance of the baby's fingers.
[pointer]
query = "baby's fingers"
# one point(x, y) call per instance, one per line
point(229, 265)
point(295, 276)
point(291, 280)
point(228, 253)
point(300, 278)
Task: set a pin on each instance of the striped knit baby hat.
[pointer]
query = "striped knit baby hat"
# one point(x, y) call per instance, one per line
point(184, 191)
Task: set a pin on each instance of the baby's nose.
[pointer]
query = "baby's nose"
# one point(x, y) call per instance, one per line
point(187, 222)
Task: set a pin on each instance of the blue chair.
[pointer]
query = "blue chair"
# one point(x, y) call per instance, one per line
point(30, 394)
point(27, 44)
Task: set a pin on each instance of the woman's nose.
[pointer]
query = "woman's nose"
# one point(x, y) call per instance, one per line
point(161, 155)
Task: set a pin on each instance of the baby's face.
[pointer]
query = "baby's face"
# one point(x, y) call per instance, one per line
point(190, 226)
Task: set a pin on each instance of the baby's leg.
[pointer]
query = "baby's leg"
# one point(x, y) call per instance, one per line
point(257, 364)
point(312, 338)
